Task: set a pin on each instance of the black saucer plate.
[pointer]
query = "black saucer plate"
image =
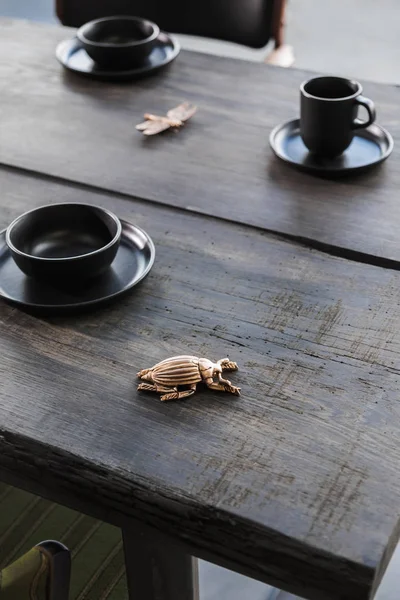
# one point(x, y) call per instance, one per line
point(369, 147)
point(74, 58)
point(134, 259)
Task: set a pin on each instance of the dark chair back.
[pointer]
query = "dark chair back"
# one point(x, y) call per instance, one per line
point(247, 22)
point(43, 573)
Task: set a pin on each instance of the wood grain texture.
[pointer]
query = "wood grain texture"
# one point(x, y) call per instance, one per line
point(219, 164)
point(296, 482)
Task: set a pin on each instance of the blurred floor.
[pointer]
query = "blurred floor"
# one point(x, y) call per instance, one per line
point(355, 38)
point(37, 10)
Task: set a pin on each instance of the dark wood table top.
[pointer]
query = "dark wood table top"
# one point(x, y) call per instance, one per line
point(296, 482)
point(60, 124)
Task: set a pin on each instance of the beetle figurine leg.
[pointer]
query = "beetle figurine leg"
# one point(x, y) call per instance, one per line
point(175, 395)
point(223, 386)
point(227, 365)
point(143, 372)
point(148, 387)
point(228, 385)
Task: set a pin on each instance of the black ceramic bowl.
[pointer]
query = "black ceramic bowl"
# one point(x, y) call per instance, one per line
point(118, 41)
point(67, 243)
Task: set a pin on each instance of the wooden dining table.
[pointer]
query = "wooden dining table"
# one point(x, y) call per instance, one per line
point(296, 482)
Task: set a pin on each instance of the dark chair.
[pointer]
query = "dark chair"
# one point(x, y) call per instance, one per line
point(42, 573)
point(248, 22)
point(98, 564)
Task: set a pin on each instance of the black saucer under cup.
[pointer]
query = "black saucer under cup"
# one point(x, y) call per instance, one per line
point(370, 147)
point(328, 114)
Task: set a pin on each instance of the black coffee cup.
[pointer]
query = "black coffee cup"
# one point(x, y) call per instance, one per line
point(328, 114)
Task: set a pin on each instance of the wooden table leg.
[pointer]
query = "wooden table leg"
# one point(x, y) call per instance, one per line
point(157, 569)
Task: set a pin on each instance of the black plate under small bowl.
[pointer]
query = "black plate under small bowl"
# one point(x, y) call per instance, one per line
point(369, 147)
point(74, 57)
point(133, 262)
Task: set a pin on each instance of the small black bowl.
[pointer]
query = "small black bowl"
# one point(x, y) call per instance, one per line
point(67, 243)
point(119, 41)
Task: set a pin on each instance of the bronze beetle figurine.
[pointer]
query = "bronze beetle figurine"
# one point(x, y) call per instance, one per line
point(166, 376)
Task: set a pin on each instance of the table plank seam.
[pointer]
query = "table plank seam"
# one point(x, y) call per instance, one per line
point(305, 242)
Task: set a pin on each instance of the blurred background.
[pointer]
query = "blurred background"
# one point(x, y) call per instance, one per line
point(354, 38)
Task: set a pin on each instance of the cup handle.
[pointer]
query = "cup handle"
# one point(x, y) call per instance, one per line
point(370, 107)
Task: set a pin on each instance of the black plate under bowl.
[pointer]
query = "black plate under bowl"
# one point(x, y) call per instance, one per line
point(369, 147)
point(74, 57)
point(133, 261)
